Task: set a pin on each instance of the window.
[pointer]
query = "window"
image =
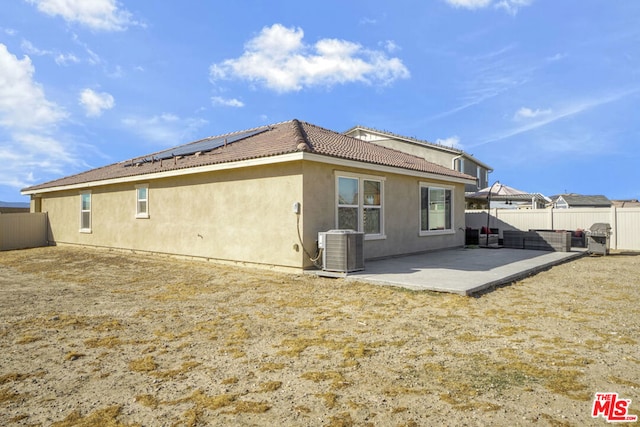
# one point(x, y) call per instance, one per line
point(142, 201)
point(348, 203)
point(436, 210)
point(372, 211)
point(360, 205)
point(85, 212)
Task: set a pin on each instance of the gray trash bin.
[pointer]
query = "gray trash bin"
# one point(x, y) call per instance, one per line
point(598, 237)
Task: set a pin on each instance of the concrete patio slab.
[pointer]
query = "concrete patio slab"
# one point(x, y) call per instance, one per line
point(462, 271)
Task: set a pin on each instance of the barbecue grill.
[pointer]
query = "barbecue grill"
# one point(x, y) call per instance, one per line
point(598, 238)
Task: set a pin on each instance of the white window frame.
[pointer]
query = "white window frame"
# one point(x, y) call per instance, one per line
point(83, 211)
point(361, 206)
point(430, 185)
point(140, 214)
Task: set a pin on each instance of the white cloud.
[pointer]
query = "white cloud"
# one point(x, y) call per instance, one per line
point(528, 113)
point(224, 102)
point(368, 21)
point(452, 141)
point(510, 6)
point(23, 104)
point(556, 57)
point(28, 123)
point(390, 46)
point(62, 59)
point(30, 49)
point(104, 15)
point(31, 157)
point(469, 4)
point(569, 110)
point(279, 59)
point(59, 58)
point(166, 129)
point(95, 103)
point(491, 74)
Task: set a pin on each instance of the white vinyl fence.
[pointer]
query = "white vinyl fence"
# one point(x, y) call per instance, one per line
point(23, 230)
point(625, 222)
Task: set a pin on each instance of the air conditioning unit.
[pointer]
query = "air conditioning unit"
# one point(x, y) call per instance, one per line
point(342, 250)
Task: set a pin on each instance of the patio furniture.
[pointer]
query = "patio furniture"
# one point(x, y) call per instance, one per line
point(471, 236)
point(513, 239)
point(492, 239)
point(548, 240)
point(578, 238)
point(541, 240)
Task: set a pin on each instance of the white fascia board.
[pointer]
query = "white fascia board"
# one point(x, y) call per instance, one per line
point(291, 157)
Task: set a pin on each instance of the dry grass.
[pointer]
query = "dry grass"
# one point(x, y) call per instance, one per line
point(123, 340)
point(145, 364)
point(106, 417)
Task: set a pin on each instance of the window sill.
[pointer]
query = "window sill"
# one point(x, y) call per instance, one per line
point(436, 233)
point(375, 236)
point(142, 216)
point(85, 230)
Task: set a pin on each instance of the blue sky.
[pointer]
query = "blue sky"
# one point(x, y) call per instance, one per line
point(546, 92)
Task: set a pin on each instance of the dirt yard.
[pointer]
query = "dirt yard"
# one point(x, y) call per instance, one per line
point(94, 337)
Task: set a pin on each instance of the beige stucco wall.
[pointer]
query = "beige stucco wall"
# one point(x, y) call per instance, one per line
point(432, 154)
point(401, 211)
point(245, 215)
point(242, 215)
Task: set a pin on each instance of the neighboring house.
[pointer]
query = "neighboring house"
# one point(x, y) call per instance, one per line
point(7, 210)
point(572, 200)
point(630, 203)
point(260, 196)
point(13, 207)
point(448, 157)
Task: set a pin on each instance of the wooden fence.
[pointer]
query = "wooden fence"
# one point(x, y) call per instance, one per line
point(625, 222)
point(23, 230)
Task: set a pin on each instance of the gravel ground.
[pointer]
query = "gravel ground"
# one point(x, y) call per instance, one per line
point(96, 337)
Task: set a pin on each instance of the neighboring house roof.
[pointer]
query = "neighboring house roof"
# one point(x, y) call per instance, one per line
point(291, 137)
point(451, 150)
point(578, 200)
point(13, 207)
point(6, 210)
point(632, 203)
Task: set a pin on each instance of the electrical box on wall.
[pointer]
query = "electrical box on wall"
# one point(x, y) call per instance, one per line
point(296, 208)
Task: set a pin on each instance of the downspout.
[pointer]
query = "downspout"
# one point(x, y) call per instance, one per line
point(453, 161)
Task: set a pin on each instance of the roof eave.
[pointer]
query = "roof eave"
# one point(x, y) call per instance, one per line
point(282, 158)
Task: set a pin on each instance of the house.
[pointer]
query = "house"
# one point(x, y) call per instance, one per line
point(13, 207)
point(572, 200)
point(629, 203)
point(448, 157)
point(260, 196)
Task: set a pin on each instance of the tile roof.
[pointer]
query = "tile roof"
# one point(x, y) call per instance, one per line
point(577, 200)
point(278, 139)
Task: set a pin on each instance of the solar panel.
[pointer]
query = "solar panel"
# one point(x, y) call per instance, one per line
point(202, 146)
